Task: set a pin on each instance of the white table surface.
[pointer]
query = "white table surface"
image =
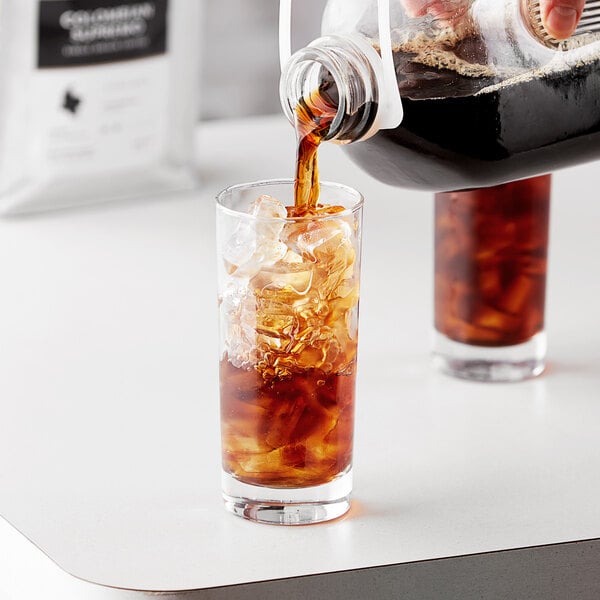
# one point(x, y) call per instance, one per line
point(109, 448)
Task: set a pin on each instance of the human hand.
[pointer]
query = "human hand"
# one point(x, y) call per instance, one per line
point(446, 10)
point(559, 17)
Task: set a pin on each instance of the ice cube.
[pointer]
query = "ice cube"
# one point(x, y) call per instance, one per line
point(240, 247)
point(317, 237)
point(245, 255)
point(489, 317)
point(520, 294)
point(267, 253)
point(283, 418)
point(255, 244)
point(238, 324)
point(267, 207)
point(294, 278)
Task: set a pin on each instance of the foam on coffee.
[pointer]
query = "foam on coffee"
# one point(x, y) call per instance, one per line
point(440, 51)
point(578, 53)
point(433, 52)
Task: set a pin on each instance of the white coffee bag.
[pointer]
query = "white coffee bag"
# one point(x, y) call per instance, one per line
point(98, 100)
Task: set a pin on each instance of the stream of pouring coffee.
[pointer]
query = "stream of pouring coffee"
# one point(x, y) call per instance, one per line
point(314, 115)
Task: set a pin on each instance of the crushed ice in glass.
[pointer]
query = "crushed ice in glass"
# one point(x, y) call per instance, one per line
point(293, 290)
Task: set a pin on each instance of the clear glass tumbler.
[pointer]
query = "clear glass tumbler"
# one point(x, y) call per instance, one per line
point(288, 304)
point(491, 247)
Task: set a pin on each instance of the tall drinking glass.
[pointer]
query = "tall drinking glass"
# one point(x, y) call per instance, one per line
point(288, 303)
point(491, 248)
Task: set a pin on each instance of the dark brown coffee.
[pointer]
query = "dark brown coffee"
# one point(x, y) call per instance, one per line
point(469, 129)
point(490, 262)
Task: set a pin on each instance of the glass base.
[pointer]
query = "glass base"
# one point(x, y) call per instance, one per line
point(490, 364)
point(288, 506)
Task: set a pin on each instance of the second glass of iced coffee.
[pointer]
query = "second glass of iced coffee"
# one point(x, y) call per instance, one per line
point(491, 247)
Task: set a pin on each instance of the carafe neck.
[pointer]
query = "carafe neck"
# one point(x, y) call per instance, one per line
point(332, 82)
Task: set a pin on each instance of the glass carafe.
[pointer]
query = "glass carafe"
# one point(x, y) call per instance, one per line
point(488, 96)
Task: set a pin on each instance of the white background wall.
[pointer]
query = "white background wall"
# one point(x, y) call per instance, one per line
point(240, 66)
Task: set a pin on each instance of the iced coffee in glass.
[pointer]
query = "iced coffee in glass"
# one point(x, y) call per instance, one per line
point(491, 248)
point(288, 305)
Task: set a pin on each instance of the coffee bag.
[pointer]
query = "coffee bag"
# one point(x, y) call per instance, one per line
point(98, 100)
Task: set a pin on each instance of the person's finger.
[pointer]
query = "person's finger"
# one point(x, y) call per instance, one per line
point(417, 8)
point(560, 17)
point(440, 9)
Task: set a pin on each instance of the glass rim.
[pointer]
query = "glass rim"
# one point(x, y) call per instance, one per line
point(264, 183)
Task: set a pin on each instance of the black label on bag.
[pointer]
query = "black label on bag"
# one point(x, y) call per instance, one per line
point(88, 32)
